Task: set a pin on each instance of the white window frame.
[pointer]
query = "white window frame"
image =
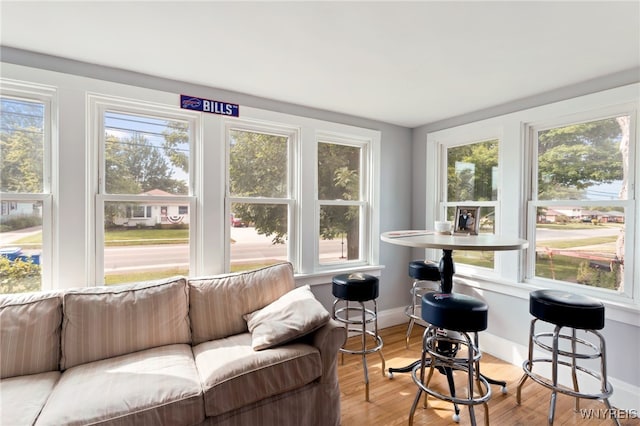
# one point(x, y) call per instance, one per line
point(463, 137)
point(532, 129)
point(292, 134)
point(363, 203)
point(48, 96)
point(98, 106)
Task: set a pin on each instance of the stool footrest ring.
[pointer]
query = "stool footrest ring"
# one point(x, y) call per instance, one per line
point(595, 351)
point(462, 401)
point(546, 382)
point(378, 340)
point(356, 317)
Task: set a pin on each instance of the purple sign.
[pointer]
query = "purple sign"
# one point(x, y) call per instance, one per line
point(209, 105)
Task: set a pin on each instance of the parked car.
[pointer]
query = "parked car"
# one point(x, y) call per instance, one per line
point(16, 253)
point(237, 222)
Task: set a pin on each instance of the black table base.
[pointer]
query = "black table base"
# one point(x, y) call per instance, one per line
point(447, 269)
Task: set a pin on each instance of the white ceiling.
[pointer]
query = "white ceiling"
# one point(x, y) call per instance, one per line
point(407, 63)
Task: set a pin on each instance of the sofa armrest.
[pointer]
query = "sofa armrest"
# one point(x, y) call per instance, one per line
point(328, 339)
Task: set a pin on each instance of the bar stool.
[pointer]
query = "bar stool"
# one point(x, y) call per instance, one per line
point(575, 312)
point(451, 318)
point(358, 288)
point(426, 277)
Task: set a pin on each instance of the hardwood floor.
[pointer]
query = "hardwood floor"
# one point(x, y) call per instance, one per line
point(391, 399)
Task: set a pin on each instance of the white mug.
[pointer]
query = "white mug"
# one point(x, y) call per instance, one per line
point(442, 227)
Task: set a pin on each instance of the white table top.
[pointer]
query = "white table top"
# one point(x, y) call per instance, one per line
point(430, 239)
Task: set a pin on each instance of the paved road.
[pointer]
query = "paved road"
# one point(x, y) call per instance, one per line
point(248, 246)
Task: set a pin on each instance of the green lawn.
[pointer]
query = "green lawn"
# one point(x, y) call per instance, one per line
point(560, 244)
point(124, 237)
point(134, 237)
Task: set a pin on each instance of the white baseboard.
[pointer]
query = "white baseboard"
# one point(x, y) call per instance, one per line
point(391, 317)
point(625, 396)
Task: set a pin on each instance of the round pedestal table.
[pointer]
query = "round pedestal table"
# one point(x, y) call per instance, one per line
point(447, 243)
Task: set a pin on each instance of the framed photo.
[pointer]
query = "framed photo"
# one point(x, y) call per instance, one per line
point(467, 220)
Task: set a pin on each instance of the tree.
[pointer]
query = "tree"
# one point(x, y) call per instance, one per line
point(258, 167)
point(133, 165)
point(472, 180)
point(573, 158)
point(339, 179)
point(21, 146)
point(176, 135)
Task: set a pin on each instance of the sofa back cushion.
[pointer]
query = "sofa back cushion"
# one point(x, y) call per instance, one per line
point(30, 333)
point(103, 322)
point(217, 304)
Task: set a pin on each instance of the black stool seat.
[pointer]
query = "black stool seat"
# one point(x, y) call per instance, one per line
point(424, 270)
point(355, 287)
point(454, 311)
point(567, 309)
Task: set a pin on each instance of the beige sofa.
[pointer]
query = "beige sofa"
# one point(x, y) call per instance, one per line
point(245, 349)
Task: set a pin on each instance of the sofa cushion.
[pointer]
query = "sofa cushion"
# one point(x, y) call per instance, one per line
point(103, 322)
point(293, 315)
point(234, 375)
point(218, 303)
point(23, 397)
point(157, 386)
point(30, 333)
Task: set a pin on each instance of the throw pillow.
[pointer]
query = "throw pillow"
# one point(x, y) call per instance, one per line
point(293, 315)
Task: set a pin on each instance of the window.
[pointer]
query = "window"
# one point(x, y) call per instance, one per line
point(260, 194)
point(302, 192)
point(25, 187)
point(144, 229)
point(472, 194)
point(342, 200)
point(138, 211)
point(566, 181)
point(580, 201)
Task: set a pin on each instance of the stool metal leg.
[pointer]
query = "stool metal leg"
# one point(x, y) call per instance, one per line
point(603, 379)
point(470, 363)
point(346, 324)
point(554, 374)
point(478, 382)
point(422, 364)
point(574, 375)
point(375, 324)
point(410, 310)
point(528, 362)
point(364, 353)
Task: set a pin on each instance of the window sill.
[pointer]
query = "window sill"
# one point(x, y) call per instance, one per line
point(324, 277)
point(618, 309)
